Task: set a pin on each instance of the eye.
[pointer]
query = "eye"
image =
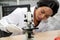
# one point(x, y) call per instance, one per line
point(47, 16)
point(42, 11)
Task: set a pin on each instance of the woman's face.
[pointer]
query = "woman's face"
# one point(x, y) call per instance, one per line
point(42, 13)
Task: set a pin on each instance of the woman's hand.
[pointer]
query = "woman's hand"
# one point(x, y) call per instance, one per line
point(14, 29)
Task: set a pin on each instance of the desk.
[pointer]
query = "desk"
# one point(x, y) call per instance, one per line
point(49, 35)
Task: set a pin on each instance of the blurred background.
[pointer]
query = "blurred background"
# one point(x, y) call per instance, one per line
point(19, 2)
point(15, 2)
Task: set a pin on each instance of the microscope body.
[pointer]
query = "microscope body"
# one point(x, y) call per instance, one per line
point(29, 25)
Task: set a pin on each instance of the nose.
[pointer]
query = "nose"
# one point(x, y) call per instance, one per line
point(43, 16)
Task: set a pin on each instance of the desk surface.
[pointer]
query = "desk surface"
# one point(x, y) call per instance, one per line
point(50, 35)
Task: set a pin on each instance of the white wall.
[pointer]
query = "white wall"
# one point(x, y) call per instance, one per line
point(9, 2)
point(32, 3)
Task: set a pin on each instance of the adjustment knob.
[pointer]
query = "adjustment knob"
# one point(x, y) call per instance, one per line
point(25, 20)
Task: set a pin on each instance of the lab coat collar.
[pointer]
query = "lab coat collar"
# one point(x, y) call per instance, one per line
point(32, 9)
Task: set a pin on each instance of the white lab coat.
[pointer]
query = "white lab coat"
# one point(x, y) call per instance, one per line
point(17, 18)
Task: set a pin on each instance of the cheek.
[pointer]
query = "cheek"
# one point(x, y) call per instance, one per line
point(37, 14)
point(39, 17)
point(45, 18)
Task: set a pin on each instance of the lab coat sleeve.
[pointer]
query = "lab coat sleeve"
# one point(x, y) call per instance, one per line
point(11, 28)
point(12, 18)
point(51, 25)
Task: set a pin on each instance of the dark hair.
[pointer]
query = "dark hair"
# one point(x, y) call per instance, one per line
point(53, 4)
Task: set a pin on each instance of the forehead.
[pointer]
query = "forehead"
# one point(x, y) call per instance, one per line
point(47, 10)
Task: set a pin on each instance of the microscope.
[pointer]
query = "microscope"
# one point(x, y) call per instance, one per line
point(29, 24)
